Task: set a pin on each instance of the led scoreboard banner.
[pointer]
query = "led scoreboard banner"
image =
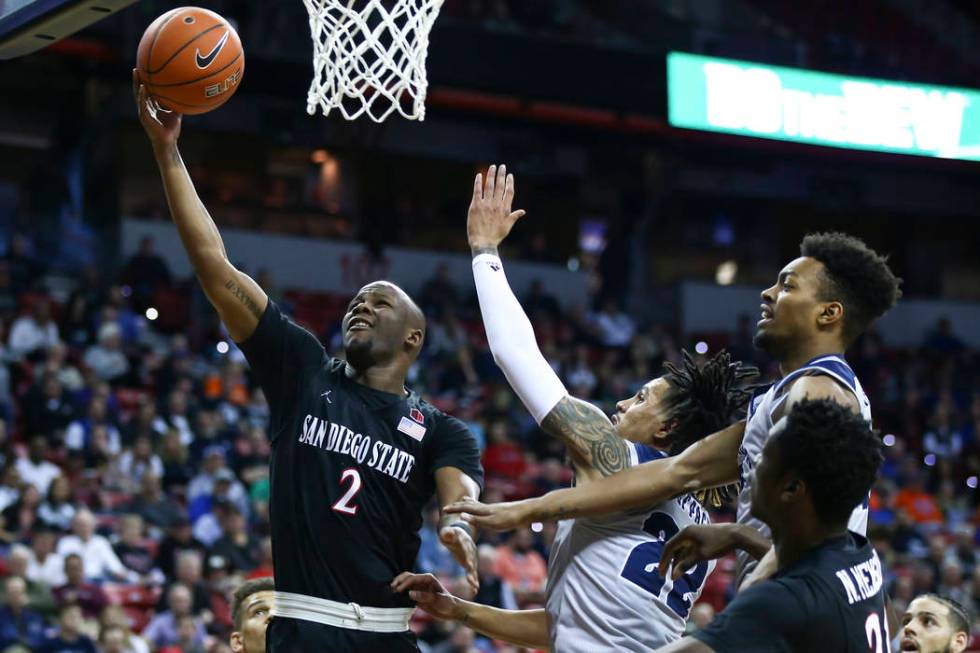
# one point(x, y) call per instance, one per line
point(791, 104)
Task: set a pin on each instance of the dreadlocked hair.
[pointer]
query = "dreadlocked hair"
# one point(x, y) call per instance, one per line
point(703, 400)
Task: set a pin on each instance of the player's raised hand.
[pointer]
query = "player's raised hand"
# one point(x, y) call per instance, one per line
point(494, 516)
point(695, 544)
point(429, 594)
point(490, 217)
point(463, 548)
point(161, 125)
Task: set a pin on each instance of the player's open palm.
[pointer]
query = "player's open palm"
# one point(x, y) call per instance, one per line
point(490, 218)
point(161, 125)
point(695, 544)
point(463, 548)
point(428, 593)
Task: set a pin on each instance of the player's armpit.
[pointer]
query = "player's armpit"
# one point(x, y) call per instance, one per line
point(708, 463)
point(591, 438)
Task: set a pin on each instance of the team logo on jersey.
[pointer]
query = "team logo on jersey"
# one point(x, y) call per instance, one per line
point(417, 415)
point(411, 427)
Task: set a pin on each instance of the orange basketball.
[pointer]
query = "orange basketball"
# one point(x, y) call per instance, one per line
point(191, 60)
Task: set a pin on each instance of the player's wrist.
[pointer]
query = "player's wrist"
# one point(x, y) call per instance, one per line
point(483, 247)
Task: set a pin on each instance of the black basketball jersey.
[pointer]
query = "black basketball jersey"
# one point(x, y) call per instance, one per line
point(351, 469)
point(830, 600)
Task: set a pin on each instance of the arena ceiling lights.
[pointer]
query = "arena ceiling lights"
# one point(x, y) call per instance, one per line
point(791, 104)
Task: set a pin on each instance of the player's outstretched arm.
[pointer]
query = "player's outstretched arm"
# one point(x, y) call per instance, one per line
point(237, 298)
point(527, 628)
point(708, 463)
point(593, 443)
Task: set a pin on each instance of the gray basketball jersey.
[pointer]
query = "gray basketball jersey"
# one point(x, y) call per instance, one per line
point(604, 592)
point(757, 431)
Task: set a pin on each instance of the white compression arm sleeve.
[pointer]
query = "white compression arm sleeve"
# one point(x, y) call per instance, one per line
point(512, 342)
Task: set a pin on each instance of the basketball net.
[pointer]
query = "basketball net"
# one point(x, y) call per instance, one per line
point(369, 56)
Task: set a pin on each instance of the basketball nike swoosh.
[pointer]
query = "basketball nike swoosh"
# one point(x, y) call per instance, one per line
point(205, 61)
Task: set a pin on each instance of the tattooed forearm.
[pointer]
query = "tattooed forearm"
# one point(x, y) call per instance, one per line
point(590, 437)
point(484, 249)
point(243, 297)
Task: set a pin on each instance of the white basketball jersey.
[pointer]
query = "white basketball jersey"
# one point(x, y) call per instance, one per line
point(604, 591)
point(757, 429)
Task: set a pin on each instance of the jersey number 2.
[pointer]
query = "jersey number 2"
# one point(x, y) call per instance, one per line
point(344, 503)
point(878, 642)
point(641, 567)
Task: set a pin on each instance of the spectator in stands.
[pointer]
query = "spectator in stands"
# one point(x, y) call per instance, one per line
point(220, 583)
point(18, 518)
point(438, 292)
point(101, 562)
point(76, 321)
point(133, 463)
point(188, 572)
point(31, 335)
point(106, 358)
point(89, 596)
point(44, 565)
point(236, 544)
point(9, 483)
point(57, 510)
point(176, 417)
point(523, 567)
point(539, 303)
point(265, 566)
point(163, 628)
point(70, 638)
point(251, 612)
point(177, 469)
point(39, 597)
point(188, 639)
point(943, 439)
point(24, 268)
point(612, 326)
point(179, 538)
point(951, 585)
point(494, 590)
point(78, 435)
point(56, 363)
point(112, 639)
point(461, 640)
point(34, 469)
point(113, 616)
point(502, 457)
point(48, 410)
point(146, 272)
point(919, 504)
point(155, 507)
point(208, 483)
point(19, 624)
point(943, 340)
point(133, 553)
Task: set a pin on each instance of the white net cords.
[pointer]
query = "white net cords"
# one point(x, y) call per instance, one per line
point(367, 58)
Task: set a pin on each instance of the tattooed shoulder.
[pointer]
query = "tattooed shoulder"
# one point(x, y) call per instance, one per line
point(590, 436)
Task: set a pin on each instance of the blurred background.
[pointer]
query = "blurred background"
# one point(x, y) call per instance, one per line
point(127, 414)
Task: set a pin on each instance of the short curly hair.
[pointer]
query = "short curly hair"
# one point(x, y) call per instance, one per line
point(834, 451)
point(959, 614)
point(856, 276)
point(705, 399)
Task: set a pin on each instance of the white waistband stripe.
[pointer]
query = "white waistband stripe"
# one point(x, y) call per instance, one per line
point(341, 615)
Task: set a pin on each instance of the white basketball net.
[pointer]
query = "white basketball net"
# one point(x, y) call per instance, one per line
point(369, 56)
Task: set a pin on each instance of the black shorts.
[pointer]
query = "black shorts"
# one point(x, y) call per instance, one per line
point(297, 636)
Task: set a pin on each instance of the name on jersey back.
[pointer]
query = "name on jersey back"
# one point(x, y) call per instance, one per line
point(337, 438)
point(863, 581)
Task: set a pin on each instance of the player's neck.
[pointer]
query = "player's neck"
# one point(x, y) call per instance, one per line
point(794, 541)
point(386, 377)
point(806, 353)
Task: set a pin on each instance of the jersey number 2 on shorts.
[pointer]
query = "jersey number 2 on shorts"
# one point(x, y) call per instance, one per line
point(344, 503)
point(641, 567)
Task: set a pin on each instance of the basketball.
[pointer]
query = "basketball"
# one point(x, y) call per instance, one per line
point(191, 60)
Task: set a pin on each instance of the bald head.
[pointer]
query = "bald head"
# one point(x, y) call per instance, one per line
point(383, 325)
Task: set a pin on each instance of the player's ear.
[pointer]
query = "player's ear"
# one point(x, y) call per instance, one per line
point(960, 641)
point(830, 313)
point(415, 338)
point(236, 643)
